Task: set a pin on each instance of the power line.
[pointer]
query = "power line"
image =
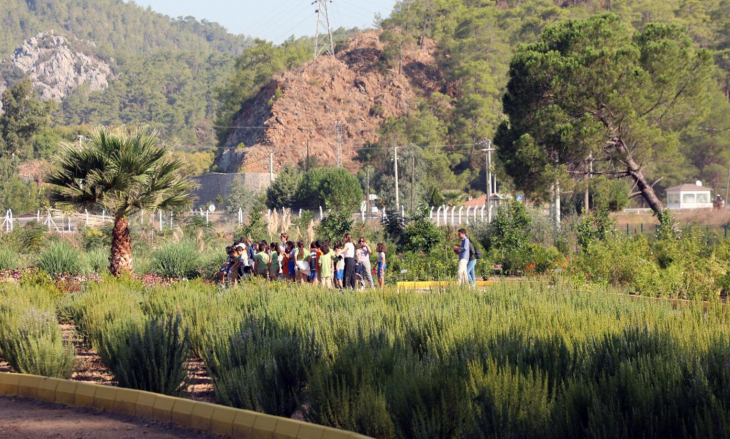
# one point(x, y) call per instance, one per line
point(279, 12)
point(295, 26)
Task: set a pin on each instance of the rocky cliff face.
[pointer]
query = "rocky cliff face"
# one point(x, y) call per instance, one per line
point(305, 106)
point(56, 68)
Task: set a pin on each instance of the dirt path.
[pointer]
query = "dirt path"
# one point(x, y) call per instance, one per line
point(20, 418)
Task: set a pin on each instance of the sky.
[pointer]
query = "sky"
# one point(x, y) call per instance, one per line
point(273, 20)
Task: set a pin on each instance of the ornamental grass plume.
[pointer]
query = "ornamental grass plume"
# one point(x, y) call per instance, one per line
point(272, 226)
point(310, 232)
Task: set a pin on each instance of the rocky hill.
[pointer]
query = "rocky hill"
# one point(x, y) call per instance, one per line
point(304, 106)
point(55, 67)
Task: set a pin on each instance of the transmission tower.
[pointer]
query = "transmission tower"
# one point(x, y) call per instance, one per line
point(323, 42)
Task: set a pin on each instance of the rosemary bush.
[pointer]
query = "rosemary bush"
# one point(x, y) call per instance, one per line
point(549, 359)
point(30, 338)
point(147, 354)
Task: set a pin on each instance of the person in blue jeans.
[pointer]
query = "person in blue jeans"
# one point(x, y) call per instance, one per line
point(470, 267)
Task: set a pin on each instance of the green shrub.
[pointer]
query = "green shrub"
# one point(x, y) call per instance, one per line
point(433, 266)
point(261, 368)
point(209, 263)
point(334, 226)
point(508, 231)
point(31, 341)
point(9, 259)
point(31, 237)
point(60, 257)
point(147, 354)
point(97, 260)
point(176, 259)
point(92, 238)
point(422, 234)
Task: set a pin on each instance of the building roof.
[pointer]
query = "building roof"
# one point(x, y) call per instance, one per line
point(689, 188)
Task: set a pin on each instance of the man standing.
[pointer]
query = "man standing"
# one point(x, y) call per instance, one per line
point(463, 251)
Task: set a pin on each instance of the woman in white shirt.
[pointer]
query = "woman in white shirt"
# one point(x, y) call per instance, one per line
point(364, 256)
point(349, 254)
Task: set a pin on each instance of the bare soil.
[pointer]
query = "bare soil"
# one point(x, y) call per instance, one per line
point(21, 418)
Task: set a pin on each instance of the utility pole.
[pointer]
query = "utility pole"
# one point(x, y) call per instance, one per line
point(271, 167)
point(397, 199)
point(413, 179)
point(306, 165)
point(323, 42)
point(339, 145)
point(556, 204)
point(488, 150)
point(367, 190)
point(586, 198)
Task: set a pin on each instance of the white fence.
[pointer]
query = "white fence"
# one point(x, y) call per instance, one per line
point(64, 222)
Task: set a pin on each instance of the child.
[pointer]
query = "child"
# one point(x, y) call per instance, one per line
point(302, 258)
point(291, 250)
point(261, 266)
point(314, 254)
point(325, 266)
point(226, 267)
point(339, 266)
point(275, 264)
point(239, 260)
point(381, 264)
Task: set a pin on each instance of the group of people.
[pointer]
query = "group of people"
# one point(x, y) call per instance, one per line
point(341, 265)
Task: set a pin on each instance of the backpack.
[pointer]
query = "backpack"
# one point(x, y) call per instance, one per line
point(477, 252)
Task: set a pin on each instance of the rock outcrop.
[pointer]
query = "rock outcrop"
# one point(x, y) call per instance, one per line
point(56, 68)
point(303, 107)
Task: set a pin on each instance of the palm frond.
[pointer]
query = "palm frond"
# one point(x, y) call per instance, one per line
point(120, 170)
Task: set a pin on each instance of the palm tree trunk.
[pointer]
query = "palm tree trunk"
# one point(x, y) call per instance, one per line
point(121, 258)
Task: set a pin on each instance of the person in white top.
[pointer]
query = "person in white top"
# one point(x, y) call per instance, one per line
point(367, 271)
point(349, 253)
point(463, 252)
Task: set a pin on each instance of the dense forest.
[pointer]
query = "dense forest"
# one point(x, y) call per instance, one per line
point(165, 69)
point(112, 25)
point(476, 41)
point(188, 79)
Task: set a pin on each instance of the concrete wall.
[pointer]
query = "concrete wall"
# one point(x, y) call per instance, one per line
point(213, 184)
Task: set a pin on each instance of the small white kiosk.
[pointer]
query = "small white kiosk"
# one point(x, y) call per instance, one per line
point(689, 196)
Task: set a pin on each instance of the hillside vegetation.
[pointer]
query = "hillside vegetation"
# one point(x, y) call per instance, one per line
point(112, 25)
point(475, 42)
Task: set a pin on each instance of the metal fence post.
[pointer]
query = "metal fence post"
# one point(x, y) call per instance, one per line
point(627, 229)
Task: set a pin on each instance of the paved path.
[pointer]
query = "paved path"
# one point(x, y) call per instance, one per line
point(21, 418)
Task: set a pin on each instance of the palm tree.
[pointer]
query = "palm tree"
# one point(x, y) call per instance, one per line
point(123, 172)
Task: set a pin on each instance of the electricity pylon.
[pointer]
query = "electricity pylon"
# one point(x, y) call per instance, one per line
point(323, 42)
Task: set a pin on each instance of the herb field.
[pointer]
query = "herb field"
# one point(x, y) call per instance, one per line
point(514, 360)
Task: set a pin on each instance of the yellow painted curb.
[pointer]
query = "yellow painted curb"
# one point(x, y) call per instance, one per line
point(47, 389)
point(430, 285)
point(202, 416)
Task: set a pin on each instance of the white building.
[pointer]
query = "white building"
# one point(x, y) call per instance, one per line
point(689, 196)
